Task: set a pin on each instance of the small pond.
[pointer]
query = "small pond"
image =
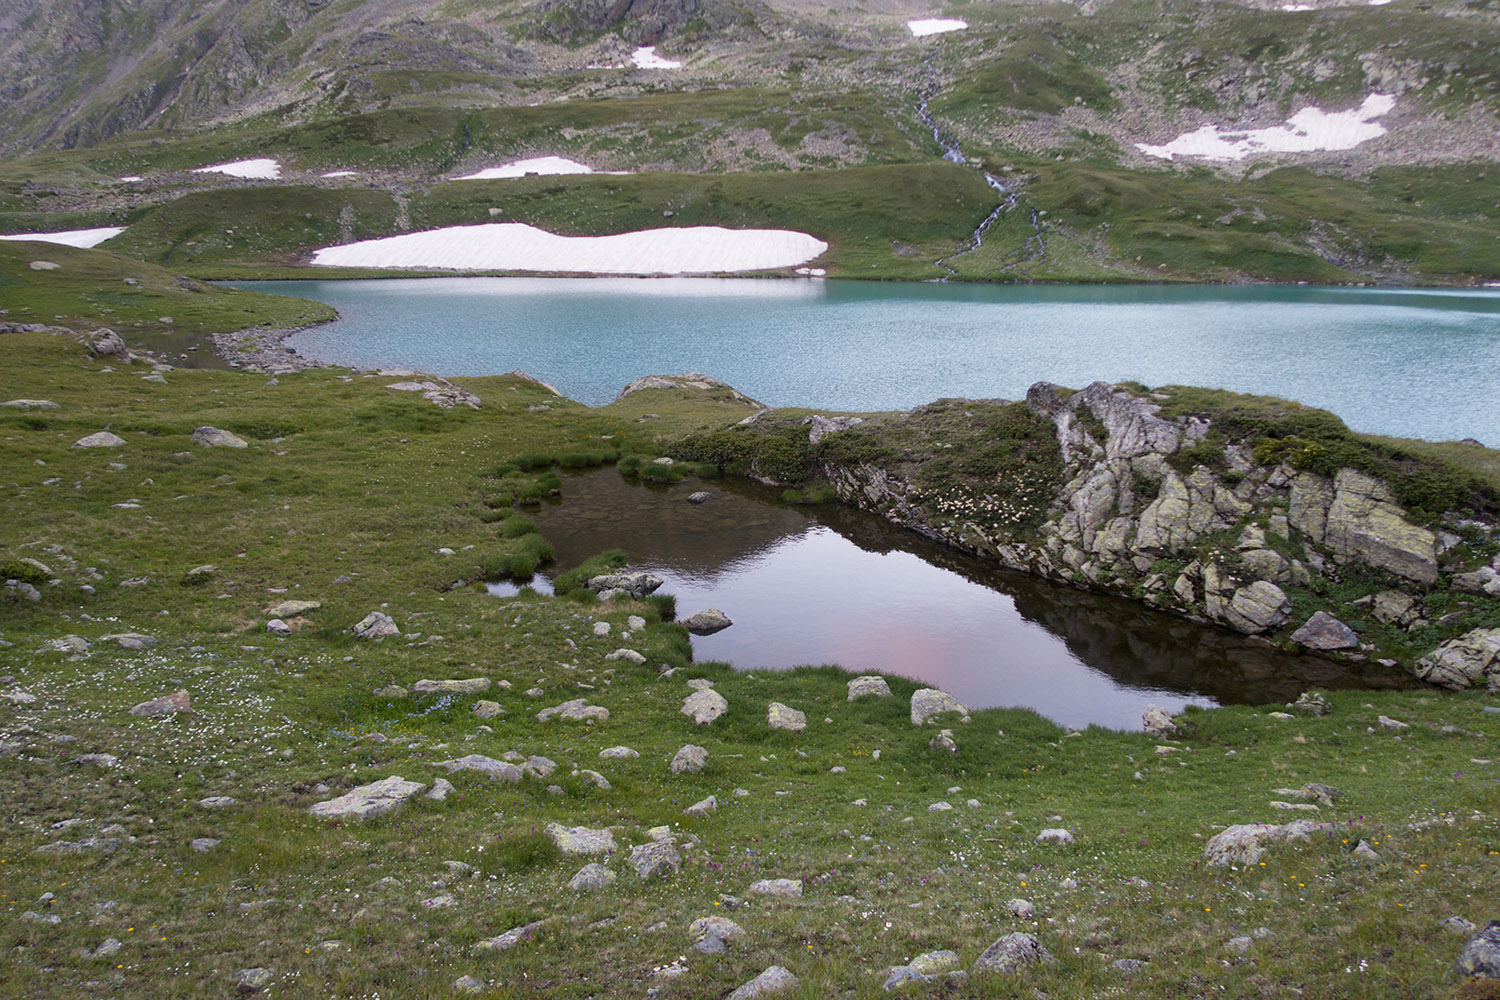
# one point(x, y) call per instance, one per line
point(826, 584)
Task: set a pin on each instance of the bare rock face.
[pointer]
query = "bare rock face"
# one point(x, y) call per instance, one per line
point(1472, 658)
point(1325, 632)
point(369, 800)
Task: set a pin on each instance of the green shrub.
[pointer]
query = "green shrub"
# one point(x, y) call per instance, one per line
point(15, 569)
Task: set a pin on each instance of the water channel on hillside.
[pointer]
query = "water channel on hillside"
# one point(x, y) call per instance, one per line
point(826, 584)
point(1409, 363)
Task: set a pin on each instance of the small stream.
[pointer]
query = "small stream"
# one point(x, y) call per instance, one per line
point(827, 584)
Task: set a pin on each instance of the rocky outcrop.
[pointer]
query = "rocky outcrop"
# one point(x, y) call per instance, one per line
point(1180, 513)
point(1471, 659)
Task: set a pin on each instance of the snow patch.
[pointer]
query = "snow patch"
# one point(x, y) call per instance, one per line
point(535, 165)
point(935, 25)
point(131, 179)
point(513, 246)
point(1309, 130)
point(341, 173)
point(262, 169)
point(83, 239)
point(646, 58)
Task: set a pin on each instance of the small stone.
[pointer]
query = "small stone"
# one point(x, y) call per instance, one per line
point(466, 685)
point(702, 808)
point(1239, 944)
point(689, 760)
point(1311, 703)
point(702, 496)
point(940, 807)
point(1481, 956)
point(868, 686)
point(577, 710)
point(487, 709)
point(177, 701)
point(204, 844)
point(539, 767)
point(278, 627)
point(1054, 836)
point(1126, 966)
point(468, 984)
point(498, 770)
point(107, 948)
point(774, 980)
point(779, 716)
point(440, 902)
point(944, 741)
point(619, 753)
point(591, 876)
point(629, 655)
point(594, 778)
point(291, 609)
point(1021, 909)
point(97, 759)
point(789, 888)
point(511, 938)
point(440, 790)
point(601, 628)
point(391, 691)
point(218, 802)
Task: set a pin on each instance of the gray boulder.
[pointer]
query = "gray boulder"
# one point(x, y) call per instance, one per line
point(774, 980)
point(580, 839)
point(1246, 843)
point(690, 759)
point(928, 702)
point(291, 609)
point(375, 625)
point(511, 938)
point(213, 437)
point(1481, 956)
point(498, 770)
point(706, 622)
point(1325, 632)
point(705, 706)
point(278, 627)
point(590, 877)
point(1258, 607)
point(577, 710)
point(31, 404)
point(369, 800)
point(1157, 721)
point(177, 701)
point(659, 857)
point(779, 716)
point(1012, 953)
point(868, 686)
point(1470, 659)
point(253, 980)
point(636, 584)
point(101, 439)
point(788, 888)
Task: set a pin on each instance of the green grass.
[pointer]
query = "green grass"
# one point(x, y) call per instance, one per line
point(323, 505)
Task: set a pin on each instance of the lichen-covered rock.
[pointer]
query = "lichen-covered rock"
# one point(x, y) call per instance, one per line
point(788, 888)
point(1157, 721)
point(498, 770)
point(213, 437)
point(1257, 608)
point(706, 622)
point(689, 760)
point(1365, 526)
point(1481, 956)
point(775, 979)
point(929, 702)
point(868, 686)
point(369, 800)
point(100, 439)
point(580, 839)
point(375, 625)
point(659, 857)
point(1012, 953)
point(1325, 632)
point(1463, 662)
point(291, 609)
point(511, 938)
point(636, 584)
point(591, 876)
point(705, 706)
point(577, 710)
point(779, 716)
point(1246, 843)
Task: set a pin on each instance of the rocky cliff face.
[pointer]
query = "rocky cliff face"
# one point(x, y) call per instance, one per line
point(1184, 511)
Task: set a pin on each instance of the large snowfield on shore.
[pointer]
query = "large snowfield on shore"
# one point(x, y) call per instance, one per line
point(83, 239)
point(513, 246)
point(262, 169)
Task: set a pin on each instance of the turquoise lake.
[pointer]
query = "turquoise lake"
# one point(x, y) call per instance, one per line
point(1410, 363)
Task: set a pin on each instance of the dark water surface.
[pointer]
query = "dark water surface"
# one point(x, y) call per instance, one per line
point(831, 585)
point(1410, 363)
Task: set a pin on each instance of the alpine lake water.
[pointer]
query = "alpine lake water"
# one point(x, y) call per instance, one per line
point(830, 585)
